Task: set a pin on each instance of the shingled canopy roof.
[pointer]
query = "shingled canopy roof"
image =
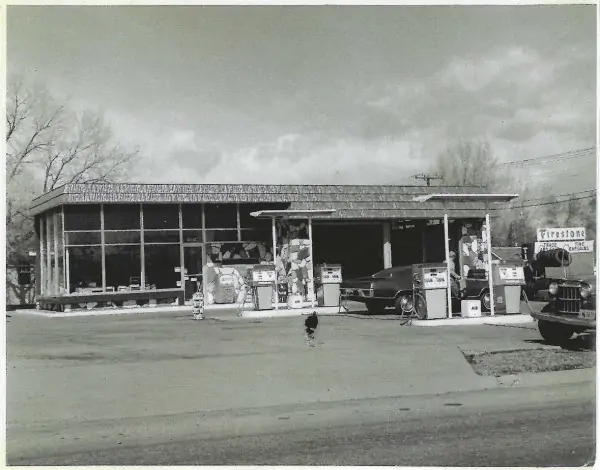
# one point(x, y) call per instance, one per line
point(348, 201)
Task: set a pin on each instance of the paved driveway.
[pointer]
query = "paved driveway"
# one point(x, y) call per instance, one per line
point(143, 365)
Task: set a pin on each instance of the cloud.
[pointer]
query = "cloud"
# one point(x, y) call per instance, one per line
point(510, 96)
point(323, 161)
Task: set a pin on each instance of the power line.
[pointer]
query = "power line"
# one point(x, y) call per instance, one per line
point(577, 193)
point(550, 158)
point(545, 203)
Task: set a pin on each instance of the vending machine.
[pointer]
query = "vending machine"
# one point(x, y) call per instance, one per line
point(433, 285)
point(509, 279)
point(263, 285)
point(327, 280)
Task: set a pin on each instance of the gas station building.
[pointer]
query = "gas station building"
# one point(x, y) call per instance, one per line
point(107, 245)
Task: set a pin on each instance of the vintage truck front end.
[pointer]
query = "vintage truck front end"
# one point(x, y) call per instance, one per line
point(571, 309)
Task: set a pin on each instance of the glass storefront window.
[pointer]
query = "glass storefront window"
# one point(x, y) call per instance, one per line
point(191, 215)
point(192, 236)
point(118, 238)
point(85, 268)
point(123, 266)
point(161, 261)
point(161, 236)
point(121, 216)
point(220, 215)
point(83, 238)
point(161, 216)
point(221, 235)
point(257, 235)
point(82, 217)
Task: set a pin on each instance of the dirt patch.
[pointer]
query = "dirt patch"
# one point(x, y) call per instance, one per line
point(502, 363)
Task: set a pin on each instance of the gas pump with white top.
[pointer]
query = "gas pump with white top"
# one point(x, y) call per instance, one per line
point(509, 280)
point(263, 286)
point(433, 286)
point(328, 280)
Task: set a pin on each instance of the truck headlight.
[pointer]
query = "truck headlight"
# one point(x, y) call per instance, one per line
point(553, 288)
point(585, 291)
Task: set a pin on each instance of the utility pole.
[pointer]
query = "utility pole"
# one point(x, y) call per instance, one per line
point(427, 178)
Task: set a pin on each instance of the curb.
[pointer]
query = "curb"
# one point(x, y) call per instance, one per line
point(496, 320)
point(540, 379)
point(49, 314)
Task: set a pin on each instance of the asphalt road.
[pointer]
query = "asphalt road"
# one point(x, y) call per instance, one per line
point(503, 427)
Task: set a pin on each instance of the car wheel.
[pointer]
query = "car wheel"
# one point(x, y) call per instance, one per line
point(486, 303)
point(403, 304)
point(555, 333)
point(375, 308)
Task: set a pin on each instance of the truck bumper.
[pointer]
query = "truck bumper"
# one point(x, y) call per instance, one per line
point(573, 321)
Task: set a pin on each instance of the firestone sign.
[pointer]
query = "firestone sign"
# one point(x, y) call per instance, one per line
point(560, 234)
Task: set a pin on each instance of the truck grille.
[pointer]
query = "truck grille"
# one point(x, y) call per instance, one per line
point(568, 300)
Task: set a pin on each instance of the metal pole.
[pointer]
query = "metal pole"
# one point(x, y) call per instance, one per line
point(56, 266)
point(49, 275)
point(42, 256)
point(274, 233)
point(387, 245)
point(204, 256)
point(489, 262)
point(102, 248)
point(181, 256)
point(64, 251)
point(142, 251)
point(447, 250)
point(312, 264)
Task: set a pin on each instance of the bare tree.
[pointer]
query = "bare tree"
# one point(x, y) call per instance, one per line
point(468, 163)
point(472, 163)
point(48, 145)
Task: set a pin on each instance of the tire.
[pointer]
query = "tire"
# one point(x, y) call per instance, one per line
point(420, 307)
point(375, 308)
point(555, 333)
point(485, 300)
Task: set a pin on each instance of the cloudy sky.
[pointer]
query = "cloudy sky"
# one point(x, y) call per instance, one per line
point(317, 94)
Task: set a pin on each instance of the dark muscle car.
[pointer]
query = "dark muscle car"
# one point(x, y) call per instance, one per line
point(571, 309)
point(388, 288)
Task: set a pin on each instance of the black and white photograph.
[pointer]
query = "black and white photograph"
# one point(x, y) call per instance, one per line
point(257, 234)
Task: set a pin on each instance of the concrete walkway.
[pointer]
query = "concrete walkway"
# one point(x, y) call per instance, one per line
point(230, 312)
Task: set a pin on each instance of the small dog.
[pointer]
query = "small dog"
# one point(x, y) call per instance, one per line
point(311, 324)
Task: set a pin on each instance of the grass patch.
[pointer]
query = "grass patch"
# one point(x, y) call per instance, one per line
point(501, 363)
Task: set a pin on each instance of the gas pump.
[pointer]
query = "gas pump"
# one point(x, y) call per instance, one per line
point(509, 280)
point(328, 280)
point(263, 282)
point(433, 287)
